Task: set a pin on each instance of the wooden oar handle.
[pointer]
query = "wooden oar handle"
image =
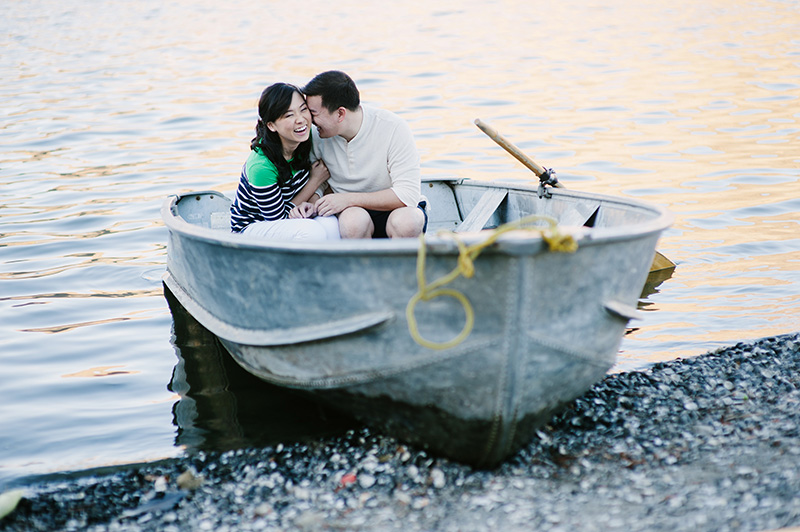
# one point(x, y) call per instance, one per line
point(510, 148)
point(513, 150)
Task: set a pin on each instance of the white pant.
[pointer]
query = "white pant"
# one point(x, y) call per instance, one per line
point(308, 229)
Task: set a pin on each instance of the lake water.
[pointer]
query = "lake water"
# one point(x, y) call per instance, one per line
point(108, 107)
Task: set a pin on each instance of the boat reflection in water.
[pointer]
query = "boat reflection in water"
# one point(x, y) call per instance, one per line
point(223, 407)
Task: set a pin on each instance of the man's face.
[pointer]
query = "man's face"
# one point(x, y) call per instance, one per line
point(327, 123)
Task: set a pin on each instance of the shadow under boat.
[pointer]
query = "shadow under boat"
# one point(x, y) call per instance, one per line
point(223, 407)
point(652, 283)
point(651, 286)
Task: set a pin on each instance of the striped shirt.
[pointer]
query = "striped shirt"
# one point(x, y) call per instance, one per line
point(258, 197)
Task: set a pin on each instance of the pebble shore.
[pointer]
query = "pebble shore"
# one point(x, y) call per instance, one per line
point(710, 443)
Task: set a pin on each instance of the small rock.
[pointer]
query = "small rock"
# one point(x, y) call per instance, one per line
point(437, 478)
point(365, 480)
point(189, 481)
point(160, 484)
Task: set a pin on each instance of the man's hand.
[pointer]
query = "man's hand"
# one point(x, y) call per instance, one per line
point(331, 204)
point(304, 210)
point(319, 173)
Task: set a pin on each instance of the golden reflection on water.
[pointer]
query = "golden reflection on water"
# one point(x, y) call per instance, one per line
point(72, 326)
point(100, 371)
point(692, 106)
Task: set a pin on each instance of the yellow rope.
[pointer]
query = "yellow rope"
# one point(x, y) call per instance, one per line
point(556, 241)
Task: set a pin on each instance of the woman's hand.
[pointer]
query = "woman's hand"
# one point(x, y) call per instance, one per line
point(319, 172)
point(304, 210)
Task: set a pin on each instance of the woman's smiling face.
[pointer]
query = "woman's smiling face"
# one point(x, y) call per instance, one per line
point(293, 126)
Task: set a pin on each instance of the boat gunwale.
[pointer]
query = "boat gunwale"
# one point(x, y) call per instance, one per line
point(512, 244)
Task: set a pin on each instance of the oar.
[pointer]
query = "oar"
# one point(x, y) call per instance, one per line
point(660, 262)
point(513, 150)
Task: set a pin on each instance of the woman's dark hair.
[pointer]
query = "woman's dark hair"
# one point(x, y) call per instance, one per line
point(274, 102)
point(337, 90)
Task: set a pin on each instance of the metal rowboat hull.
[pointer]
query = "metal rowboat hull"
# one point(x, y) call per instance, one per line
point(329, 318)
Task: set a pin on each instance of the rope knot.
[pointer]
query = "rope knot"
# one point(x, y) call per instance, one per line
point(466, 264)
point(560, 242)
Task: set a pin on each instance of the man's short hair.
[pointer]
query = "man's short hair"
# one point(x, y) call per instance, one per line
point(337, 90)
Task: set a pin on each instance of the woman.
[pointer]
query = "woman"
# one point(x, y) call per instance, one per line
point(278, 180)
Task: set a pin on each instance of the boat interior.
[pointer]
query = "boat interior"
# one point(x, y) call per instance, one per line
point(462, 205)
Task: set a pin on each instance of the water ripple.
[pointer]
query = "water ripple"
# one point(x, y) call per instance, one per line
point(110, 107)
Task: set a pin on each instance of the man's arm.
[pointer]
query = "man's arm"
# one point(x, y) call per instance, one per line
point(382, 200)
point(404, 165)
point(319, 175)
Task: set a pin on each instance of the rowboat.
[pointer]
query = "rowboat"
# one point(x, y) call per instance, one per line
point(468, 370)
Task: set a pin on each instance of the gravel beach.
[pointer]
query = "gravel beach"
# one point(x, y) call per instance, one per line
point(707, 443)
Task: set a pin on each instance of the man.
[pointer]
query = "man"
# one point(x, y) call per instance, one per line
point(372, 159)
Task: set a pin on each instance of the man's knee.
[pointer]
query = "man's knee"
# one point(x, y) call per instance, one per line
point(355, 222)
point(405, 222)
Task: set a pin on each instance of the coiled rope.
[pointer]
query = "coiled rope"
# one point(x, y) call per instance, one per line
point(556, 241)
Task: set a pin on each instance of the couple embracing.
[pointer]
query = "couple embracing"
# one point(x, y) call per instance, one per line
point(356, 176)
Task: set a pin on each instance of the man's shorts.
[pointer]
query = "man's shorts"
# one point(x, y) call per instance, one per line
point(379, 219)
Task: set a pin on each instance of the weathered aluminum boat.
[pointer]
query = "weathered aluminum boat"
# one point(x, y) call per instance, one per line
point(330, 318)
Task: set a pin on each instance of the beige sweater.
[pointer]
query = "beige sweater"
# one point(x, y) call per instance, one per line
point(382, 155)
